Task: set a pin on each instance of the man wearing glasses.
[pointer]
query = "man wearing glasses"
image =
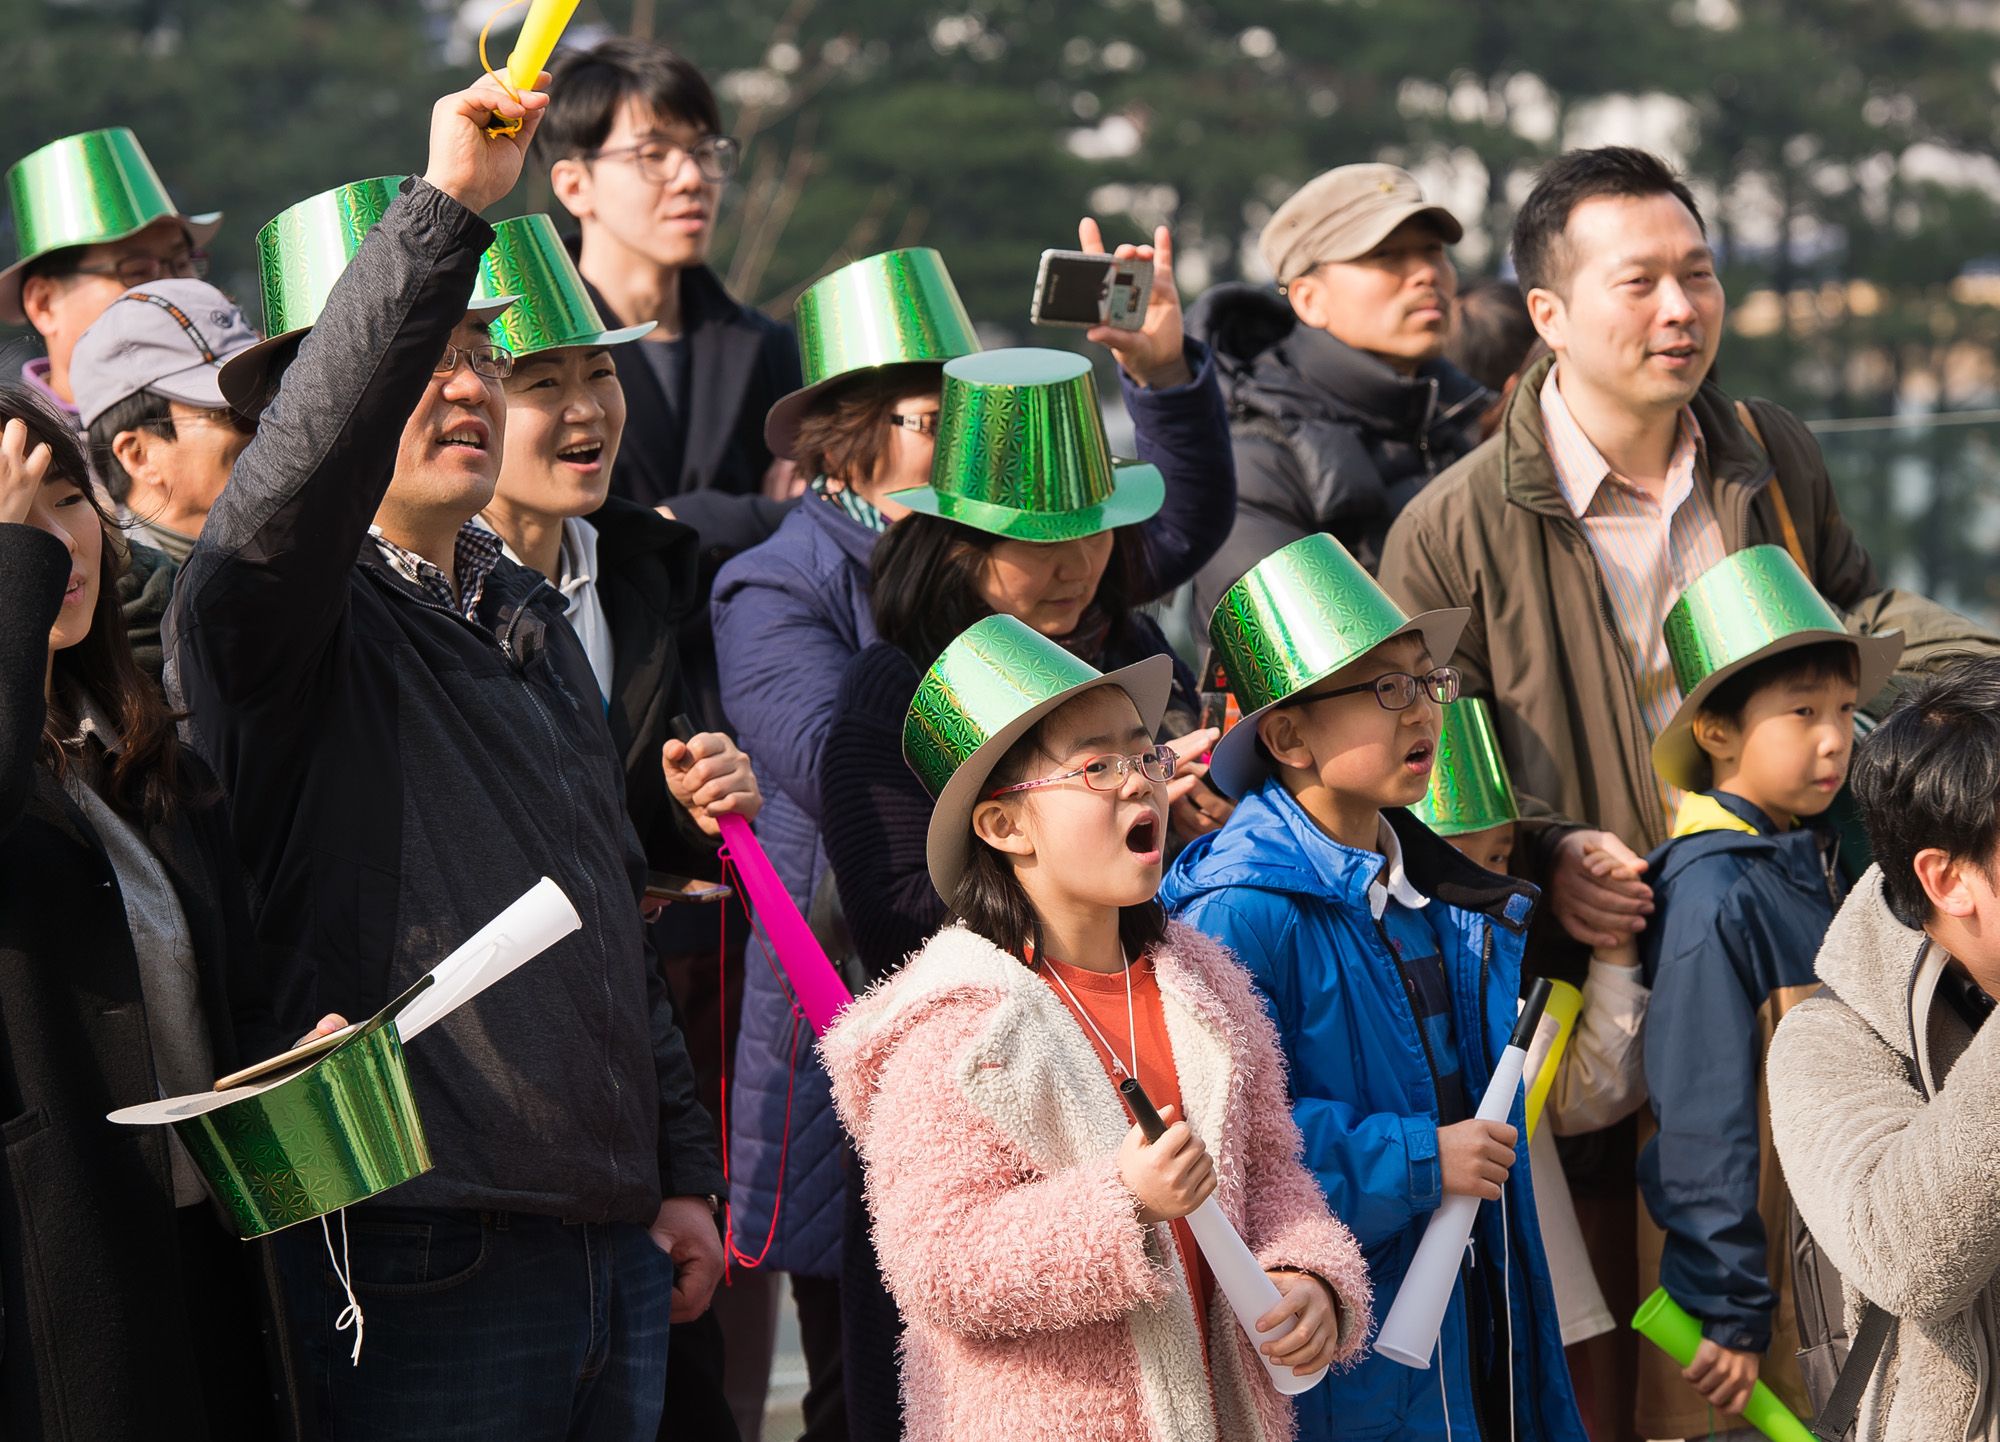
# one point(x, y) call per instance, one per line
point(92, 220)
point(632, 138)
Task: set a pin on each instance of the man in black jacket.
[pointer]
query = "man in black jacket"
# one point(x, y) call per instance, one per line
point(1341, 404)
point(634, 145)
point(411, 735)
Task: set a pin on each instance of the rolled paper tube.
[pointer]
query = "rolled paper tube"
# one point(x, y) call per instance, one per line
point(1250, 1292)
point(540, 918)
point(539, 33)
point(1662, 1322)
point(1410, 1334)
point(820, 991)
point(1565, 1001)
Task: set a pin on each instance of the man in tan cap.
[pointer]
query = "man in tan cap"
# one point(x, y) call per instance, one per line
point(1344, 406)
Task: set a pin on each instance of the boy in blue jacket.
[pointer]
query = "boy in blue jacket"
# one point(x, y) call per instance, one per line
point(1391, 966)
point(1743, 893)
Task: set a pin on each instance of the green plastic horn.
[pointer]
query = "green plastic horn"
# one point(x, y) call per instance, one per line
point(1662, 1322)
point(301, 252)
point(86, 189)
point(894, 309)
point(552, 309)
point(1470, 789)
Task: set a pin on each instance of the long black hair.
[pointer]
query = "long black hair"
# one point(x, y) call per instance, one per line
point(992, 902)
point(923, 585)
point(144, 778)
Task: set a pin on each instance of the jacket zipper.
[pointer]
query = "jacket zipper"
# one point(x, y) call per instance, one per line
point(1416, 1016)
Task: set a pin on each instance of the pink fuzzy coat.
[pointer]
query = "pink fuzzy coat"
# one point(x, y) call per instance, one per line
point(1036, 1305)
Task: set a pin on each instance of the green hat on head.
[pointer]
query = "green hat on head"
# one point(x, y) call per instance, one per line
point(552, 309)
point(300, 254)
point(1297, 617)
point(85, 190)
point(989, 688)
point(1747, 606)
point(1021, 451)
point(896, 308)
point(1470, 789)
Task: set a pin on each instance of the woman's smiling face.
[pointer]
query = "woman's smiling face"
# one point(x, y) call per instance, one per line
point(565, 415)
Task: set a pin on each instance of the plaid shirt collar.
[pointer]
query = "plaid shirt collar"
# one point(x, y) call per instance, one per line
point(474, 555)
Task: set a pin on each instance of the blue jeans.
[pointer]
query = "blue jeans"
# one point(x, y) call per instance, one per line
point(483, 1325)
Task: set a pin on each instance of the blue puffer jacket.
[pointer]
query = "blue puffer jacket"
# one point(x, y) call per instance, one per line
point(1741, 908)
point(1293, 905)
point(788, 617)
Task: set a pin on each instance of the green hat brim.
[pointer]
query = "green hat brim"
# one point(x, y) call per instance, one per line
point(781, 423)
point(201, 230)
point(1137, 493)
point(1235, 768)
point(244, 374)
point(1150, 683)
point(599, 341)
point(1679, 761)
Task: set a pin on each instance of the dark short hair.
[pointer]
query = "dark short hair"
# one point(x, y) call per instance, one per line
point(143, 408)
point(586, 87)
point(1564, 184)
point(990, 898)
point(845, 434)
point(1929, 776)
point(1493, 333)
point(58, 264)
point(1818, 662)
point(923, 584)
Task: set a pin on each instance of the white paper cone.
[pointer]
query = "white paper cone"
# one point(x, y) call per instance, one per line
point(1250, 1292)
point(1410, 1334)
point(542, 917)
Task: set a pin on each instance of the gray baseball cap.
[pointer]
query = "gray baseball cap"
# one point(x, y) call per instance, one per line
point(169, 337)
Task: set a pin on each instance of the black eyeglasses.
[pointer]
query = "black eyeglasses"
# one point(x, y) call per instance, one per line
point(145, 269)
point(1397, 691)
point(715, 156)
point(924, 423)
point(492, 361)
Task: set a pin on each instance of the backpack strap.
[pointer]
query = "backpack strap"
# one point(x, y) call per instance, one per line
point(1791, 532)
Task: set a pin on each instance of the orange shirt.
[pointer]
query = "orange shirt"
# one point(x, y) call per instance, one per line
point(1103, 998)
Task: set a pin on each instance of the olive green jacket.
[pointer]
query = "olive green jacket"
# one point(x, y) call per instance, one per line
point(1494, 533)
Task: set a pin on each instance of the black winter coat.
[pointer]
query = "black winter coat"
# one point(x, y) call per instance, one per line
point(1328, 438)
point(399, 774)
point(94, 1338)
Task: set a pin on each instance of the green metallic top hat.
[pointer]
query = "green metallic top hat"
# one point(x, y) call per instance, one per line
point(300, 254)
point(1470, 789)
point(85, 190)
point(896, 308)
point(989, 688)
point(1297, 617)
point(1021, 451)
point(1747, 606)
point(553, 308)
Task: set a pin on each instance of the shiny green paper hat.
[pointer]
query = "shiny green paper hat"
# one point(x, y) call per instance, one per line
point(1021, 451)
point(300, 254)
point(1747, 606)
point(989, 688)
point(1297, 617)
point(896, 308)
point(553, 308)
point(85, 190)
point(1470, 789)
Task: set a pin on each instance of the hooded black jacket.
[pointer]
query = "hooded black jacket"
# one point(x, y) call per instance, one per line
point(1327, 437)
point(400, 774)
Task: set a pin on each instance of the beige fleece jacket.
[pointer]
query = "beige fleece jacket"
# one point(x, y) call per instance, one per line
point(1900, 1186)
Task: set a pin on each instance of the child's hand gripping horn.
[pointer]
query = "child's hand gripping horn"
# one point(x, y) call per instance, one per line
point(1251, 1294)
point(539, 34)
point(1410, 1334)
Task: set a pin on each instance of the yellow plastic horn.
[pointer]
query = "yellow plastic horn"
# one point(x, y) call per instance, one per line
point(1565, 1001)
point(547, 19)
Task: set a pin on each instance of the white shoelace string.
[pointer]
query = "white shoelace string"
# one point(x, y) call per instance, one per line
point(344, 1270)
point(1131, 1032)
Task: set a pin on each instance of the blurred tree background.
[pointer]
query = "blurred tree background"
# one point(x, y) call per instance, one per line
point(1843, 151)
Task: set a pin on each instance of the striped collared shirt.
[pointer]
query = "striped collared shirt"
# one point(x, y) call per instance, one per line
point(1649, 552)
point(474, 555)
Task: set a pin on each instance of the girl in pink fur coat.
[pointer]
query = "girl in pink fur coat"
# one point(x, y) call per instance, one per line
point(1028, 1232)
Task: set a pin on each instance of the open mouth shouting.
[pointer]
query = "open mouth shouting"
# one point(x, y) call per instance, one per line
point(466, 435)
point(1417, 760)
point(584, 455)
point(1142, 837)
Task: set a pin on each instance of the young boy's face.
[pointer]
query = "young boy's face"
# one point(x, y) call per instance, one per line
point(1788, 752)
point(1490, 848)
point(1352, 745)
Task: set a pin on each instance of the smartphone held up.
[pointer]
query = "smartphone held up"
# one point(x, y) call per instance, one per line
point(1080, 289)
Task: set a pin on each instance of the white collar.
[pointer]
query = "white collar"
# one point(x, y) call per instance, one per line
point(1392, 883)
